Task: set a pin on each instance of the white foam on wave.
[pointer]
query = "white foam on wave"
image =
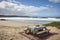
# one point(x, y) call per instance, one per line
point(37, 19)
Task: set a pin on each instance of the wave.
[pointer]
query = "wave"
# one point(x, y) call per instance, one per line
point(36, 20)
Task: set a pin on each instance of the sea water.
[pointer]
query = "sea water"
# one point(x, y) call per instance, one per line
point(34, 20)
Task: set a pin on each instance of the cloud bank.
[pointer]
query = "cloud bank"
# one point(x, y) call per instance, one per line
point(10, 8)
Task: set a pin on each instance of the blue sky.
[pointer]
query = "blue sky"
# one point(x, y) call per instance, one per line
point(38, 2)
point(43, 8)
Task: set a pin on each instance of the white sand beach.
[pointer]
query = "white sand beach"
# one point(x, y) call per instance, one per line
point(9, 30)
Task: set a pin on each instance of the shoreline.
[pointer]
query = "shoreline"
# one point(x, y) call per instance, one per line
point(17, 24)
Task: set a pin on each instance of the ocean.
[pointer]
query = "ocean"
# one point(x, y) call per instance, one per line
point(35, 20)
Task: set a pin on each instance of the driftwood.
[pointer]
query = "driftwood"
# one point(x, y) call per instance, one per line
point(43, 31)
point(30, 37)
point(33, 37)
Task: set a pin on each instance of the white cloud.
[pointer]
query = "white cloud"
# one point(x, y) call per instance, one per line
point(9, 8)
point(55, 1)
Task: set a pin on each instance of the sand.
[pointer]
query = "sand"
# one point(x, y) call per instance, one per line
point(9, 30)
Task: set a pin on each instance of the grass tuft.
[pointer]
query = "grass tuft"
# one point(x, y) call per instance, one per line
point(53, 24)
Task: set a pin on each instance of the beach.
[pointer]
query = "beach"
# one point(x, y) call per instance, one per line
point(9, 30)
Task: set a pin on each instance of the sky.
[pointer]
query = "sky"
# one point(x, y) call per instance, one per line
point(39, 8)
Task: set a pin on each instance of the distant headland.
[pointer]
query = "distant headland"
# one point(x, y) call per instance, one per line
point(27, 16)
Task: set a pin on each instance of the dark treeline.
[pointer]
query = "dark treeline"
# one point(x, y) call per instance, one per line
point(26, 16)
point(12, 16)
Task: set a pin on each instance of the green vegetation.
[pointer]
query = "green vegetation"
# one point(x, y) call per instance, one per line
point(53, 24)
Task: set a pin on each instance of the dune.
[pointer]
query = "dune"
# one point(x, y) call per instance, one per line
point(9, 30)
